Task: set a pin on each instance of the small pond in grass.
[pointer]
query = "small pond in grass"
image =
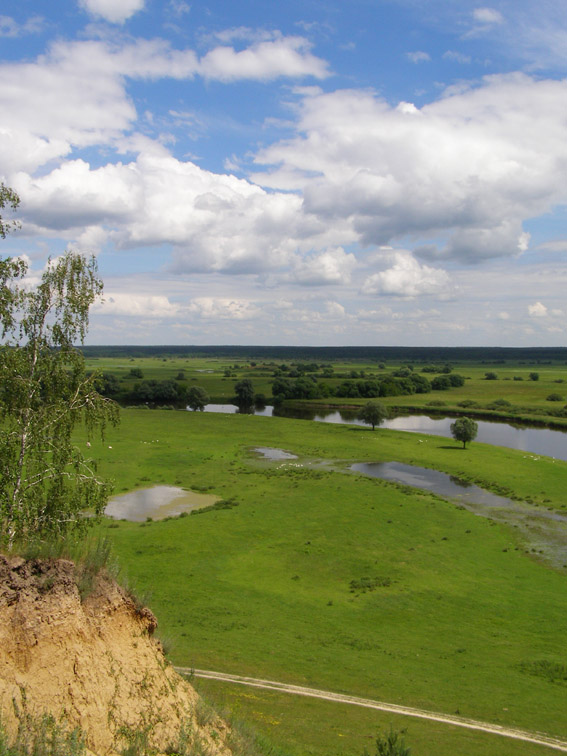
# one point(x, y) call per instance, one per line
point(157, 502)
point(432, 480)
point(269, 452)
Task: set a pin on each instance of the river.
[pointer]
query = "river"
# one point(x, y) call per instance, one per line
point(551, 443)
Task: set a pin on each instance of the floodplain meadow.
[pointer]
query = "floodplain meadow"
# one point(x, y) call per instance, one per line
point(324, 578)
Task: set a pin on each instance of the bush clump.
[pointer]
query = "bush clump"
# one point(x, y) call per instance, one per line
point(552, 671)
point(366, 584)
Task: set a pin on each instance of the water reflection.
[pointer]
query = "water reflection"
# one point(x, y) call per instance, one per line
point(268, 452)
point(544, 531)
point(157, 502)
point(440, 483)
point(552, 443)
point(232, 409)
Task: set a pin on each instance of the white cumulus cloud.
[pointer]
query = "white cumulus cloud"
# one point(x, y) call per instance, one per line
point(468, 168)
point(9, 27)
point(407, 278)
point(288, 56)
point(210, 308)
point(418, 56)
point(333, 266)
point(115, 11)
point(537, 310)
point(488, 16)
point(136, 305)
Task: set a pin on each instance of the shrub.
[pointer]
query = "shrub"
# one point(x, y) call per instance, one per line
point(42, 736)
point(554, 398)
point(441, 383)
point(456, 380)
point(391, 744)
point(369, 584)
point(555, 673)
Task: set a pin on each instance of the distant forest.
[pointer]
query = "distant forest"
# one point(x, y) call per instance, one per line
point(479, 355)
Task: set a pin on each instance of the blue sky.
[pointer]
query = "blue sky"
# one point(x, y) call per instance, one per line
point(376, 172)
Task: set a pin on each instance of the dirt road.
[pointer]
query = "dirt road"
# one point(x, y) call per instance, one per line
point(298, 690)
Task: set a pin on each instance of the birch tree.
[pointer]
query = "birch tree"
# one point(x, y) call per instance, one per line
point(46, 483)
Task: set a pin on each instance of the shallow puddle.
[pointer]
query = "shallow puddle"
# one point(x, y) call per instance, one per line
point(432, 480)
point(157, 502)
point(268, 452)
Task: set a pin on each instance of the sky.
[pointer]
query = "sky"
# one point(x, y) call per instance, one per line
point(314, 172)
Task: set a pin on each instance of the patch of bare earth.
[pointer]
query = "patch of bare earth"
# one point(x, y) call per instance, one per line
point(93, 663)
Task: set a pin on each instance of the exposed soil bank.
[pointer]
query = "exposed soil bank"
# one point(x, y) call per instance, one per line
point(92, 664)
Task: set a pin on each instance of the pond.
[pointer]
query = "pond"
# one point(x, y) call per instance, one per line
point(552, 443)
point(157, 502)
point(433, 480)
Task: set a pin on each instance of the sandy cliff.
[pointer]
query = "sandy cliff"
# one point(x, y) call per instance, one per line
point(91, 663)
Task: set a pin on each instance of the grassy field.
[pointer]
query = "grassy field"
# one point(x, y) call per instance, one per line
point(328, 579)
point(528, 399)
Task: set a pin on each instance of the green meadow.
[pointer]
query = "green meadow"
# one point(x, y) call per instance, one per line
point(320, 577)
point(517, 396)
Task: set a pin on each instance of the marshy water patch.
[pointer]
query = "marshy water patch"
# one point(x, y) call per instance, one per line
point(157, 502)
point(432, 480)
point(268, 452)
point(544, 531)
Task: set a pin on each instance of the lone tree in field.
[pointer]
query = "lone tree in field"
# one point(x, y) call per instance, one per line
point(373, 413)
point(197, 398)
point(464, 429)
point(244, 393)
point(45, 482)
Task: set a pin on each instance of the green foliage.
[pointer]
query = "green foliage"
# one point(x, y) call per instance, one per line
point(158, 393)
point(136, 742)
point(499, 404)
point(222, 504)
point(45, 482)
point(367, 584)
point(244, 391)
point(554, 398)
point(373, 413)
point(391, 744)
point(8, 198)
point(534, 376)
point(441, 383)
point(464, 429)
point(551, 671)
point(42, 736)
point(490, 376)
point(197, 398)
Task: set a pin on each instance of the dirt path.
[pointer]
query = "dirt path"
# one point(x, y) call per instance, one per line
point(471, 724)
